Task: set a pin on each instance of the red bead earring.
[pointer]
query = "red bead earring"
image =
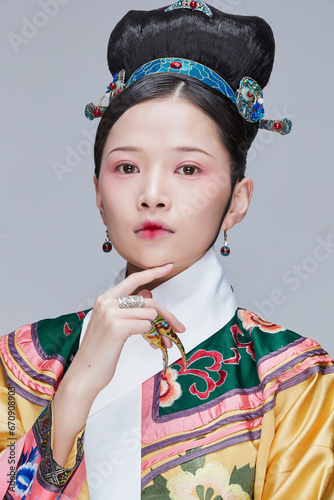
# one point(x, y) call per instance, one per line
point(225, 250)
point(107, 246)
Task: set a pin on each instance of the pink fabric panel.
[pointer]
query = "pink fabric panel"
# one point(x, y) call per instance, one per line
point(240, 426)
point(296, 371)
point(25, 341)
point(5, 466)
point(153, 431)
point(23, 445)
point(72, 490)
point(274, 361)
point(19, 374)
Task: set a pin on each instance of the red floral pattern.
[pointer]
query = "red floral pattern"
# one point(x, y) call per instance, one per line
point(217, 361)
point(67, 329)
point(246, 345)
point(251, 320)
point(81, 314)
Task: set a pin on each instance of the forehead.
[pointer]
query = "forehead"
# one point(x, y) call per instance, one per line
point(171, 119)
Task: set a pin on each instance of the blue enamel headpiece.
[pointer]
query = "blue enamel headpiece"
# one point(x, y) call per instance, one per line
point(184, 67)
point(248, 98)
point(190, 4)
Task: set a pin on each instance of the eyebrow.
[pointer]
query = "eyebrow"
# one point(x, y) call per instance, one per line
point(184, 149)
point(126, 149)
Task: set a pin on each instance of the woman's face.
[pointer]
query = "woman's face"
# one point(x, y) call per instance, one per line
point(164, 184)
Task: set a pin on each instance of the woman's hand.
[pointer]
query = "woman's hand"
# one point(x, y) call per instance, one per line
point(110, 326)
point(95, 362)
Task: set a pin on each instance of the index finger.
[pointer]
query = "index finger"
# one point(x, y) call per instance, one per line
point(135, 280)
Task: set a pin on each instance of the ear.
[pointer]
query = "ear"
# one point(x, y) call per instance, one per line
point(240, 201)
point(99, 203)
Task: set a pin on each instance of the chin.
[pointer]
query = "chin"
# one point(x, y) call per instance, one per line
point(149, 263)
point(156, 261)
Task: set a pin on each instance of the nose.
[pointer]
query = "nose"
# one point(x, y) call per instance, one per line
point(154, 191)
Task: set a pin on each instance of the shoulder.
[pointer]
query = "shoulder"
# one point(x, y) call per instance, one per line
point(281, 353)
point(267, 337)
point(49, 337)
point(59, 336)
point(35, 356)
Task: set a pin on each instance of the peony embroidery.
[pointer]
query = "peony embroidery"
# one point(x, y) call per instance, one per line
point(251, 320)
point(211, 482)
point(26, 473)
point(170, 390)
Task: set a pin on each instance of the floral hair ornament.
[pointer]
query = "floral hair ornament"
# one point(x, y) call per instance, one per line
point(248, 98)
point(250, 105)
point(114, 88)
point(188, 4)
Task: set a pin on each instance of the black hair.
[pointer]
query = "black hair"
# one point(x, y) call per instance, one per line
point(233, 46)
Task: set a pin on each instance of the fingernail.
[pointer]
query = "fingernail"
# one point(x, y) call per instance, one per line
point(167, 265)
point(182, 325)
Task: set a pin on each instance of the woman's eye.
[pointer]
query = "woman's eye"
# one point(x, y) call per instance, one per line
point(188, 170)
point(127, 169)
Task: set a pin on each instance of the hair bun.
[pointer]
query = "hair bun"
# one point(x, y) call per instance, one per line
point(234, 46)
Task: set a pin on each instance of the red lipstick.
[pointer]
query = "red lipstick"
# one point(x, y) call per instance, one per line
point(153, 229)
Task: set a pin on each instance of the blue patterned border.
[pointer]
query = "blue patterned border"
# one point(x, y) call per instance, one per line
point(190, 68)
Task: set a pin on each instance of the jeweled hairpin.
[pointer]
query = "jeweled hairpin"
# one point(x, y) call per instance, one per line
point(114, 88)
point(283, 126)
point(190, 4)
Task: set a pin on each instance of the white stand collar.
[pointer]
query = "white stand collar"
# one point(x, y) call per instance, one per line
point(202, 299)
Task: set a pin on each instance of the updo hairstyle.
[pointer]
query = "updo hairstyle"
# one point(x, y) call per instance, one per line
point(231, 45)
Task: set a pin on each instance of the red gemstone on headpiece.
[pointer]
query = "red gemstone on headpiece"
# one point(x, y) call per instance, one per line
point(176, 65)
point(112, 85)
point(193, 5)
point(277, 126)
point(97, 112)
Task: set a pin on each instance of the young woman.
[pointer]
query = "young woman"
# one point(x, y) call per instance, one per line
point(249, 412)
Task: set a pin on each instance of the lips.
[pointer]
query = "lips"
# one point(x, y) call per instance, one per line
point(151, 229)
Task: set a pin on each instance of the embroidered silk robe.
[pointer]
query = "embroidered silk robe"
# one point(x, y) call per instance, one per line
point(250, 418)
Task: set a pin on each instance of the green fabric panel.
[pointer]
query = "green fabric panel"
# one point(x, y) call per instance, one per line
point(266, 343)
point(238, 375)
point(201, 382)
point(53, 339)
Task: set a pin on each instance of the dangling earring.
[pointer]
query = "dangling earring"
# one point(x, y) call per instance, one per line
point(107, 246)
point(225, 250)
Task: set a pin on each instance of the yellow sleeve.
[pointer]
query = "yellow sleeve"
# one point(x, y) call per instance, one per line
point(26, 437)
point(299, 450)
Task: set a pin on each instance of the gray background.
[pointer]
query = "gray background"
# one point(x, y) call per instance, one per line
point(51, 261)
